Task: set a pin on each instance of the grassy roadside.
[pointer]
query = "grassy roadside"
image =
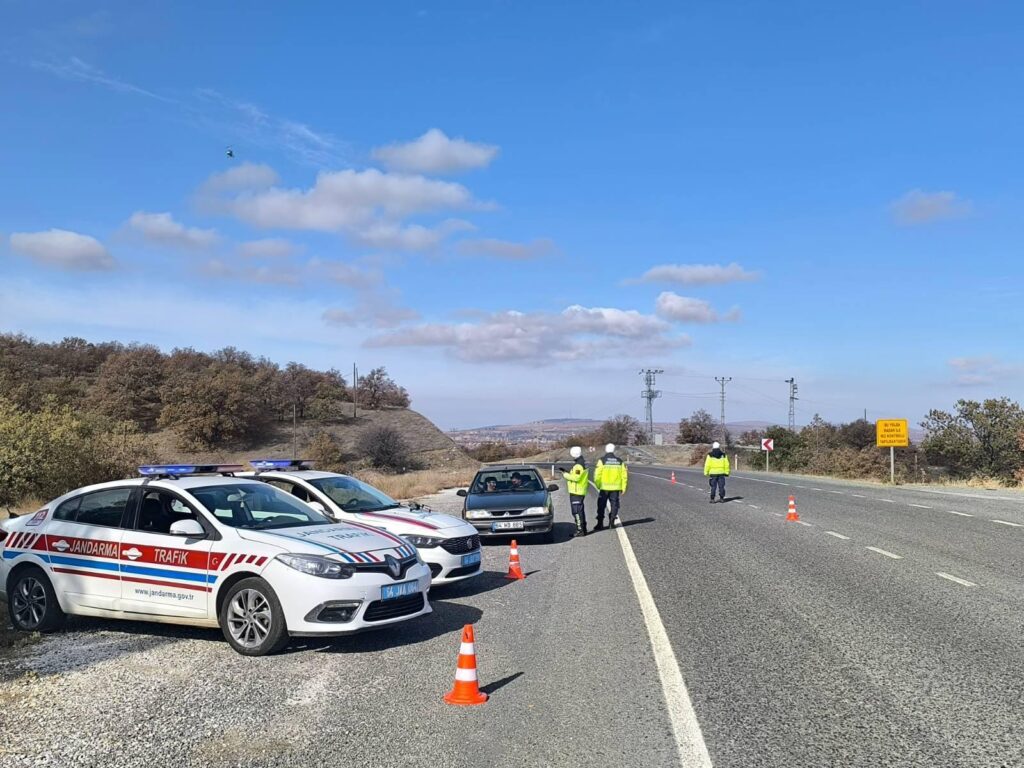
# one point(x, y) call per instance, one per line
point(413, 485)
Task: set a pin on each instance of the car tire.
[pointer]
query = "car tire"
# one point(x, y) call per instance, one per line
point(252, 619)
point(32, 602)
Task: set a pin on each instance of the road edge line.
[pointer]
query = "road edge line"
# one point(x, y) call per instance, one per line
point(693, 752)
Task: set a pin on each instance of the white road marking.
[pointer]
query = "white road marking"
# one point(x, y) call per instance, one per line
point(962, 514)
point(1004, 522)
point(962, 582)
point(752, 506)
point(921, 506)
point(858, 496)
point(801, 486)
point(689, 739)
point(838, 535)
point(883, 552)
point(778, 514)
point(815, 489)
point(887, 501)
point(804, 523)
point(839, 492)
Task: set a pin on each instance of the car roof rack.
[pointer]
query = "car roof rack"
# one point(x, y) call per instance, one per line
point(175, 471)
point(293, 465)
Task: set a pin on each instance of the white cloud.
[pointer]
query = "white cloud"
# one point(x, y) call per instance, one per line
point(162, 229)
point(351, 275)
point(920, 207)
point(517, 337)
point(368, 206)
point(63, 249)
point(982, 370)
point(684, 309)
point(76, 69)
point(372, 312)
point(269, 248)
point(263, 274)
point(697, 274)
point(505, 249)
point(246, 176)
point(434, 152)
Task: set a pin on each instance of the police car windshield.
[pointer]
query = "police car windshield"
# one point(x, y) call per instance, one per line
point(256, 506)
point(353, 496)
point(507, 481)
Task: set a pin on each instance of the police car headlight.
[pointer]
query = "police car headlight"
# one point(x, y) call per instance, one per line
point(315, 565)
point(423, 542)
point(535, 511)
point(476, 514)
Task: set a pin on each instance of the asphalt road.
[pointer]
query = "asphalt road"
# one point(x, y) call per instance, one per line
point(797, 644)
point(803, 647)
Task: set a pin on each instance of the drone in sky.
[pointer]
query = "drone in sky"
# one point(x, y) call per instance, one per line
point(230, 153)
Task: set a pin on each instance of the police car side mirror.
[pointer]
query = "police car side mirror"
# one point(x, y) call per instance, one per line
point(552, 488)
point(318, 507)
point(462, 492)
point(190, 529)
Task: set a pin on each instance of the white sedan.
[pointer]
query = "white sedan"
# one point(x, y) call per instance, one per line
point(196, 545)
point(448, 545)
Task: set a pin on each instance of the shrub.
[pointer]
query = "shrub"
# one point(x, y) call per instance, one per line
point(385, 448)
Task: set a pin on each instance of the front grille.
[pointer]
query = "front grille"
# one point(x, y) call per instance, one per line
point(463, 571)
point(462, 545)
point(435, 569)
point(503, 512)
point(407, 563)
point(381, 610)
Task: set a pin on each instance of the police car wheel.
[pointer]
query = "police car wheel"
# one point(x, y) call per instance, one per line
point(32, 603)
point(252, 620)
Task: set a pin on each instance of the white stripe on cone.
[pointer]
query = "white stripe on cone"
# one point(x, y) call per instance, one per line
point(466, 675)
point(467, 649)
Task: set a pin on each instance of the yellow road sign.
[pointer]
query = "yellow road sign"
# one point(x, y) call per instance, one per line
point(892, 433)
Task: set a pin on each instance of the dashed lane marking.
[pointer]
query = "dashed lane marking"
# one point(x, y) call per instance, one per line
point(778, 514)
point(1004, 522)
point(962, 514)
point(838, 535)
point(921, 506)
point(887, 501)
point(815, 489)
point(961, 582)
point(883, 552)
point(858, 496)
point(803, 522)
point(753, 506)
point(841, 493)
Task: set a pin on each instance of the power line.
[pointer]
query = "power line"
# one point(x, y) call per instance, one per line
point(792, 403)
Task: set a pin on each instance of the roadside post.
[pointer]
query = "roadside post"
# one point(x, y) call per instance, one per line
point(892, 434)
point(767, 445)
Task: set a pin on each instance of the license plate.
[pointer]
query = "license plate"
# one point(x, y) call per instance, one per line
point(507, 525)
point(471, 559)
point(401, 589)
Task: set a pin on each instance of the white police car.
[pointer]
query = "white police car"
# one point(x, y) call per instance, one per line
point(196, 545)
point(448, 545)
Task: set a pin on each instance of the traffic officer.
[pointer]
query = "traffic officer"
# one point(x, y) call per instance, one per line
point(610, 477)
point(576, 481)
point(716, 469)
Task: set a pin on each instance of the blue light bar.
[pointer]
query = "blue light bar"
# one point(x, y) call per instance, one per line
point(179, 470)
point(281, 464)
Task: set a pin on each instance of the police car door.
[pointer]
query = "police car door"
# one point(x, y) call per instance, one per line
point(84, 538)
point(164, 574)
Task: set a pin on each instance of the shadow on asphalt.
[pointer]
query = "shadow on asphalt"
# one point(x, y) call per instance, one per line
point(727, 499)
point(488, 581)
point(499, 684)
point(638, 521)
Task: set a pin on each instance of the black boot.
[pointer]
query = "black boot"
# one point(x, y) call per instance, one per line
point(581, 526)
point(600, 525)
point(611, 521)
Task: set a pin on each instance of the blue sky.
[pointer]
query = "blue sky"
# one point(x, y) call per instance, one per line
point(516, 206)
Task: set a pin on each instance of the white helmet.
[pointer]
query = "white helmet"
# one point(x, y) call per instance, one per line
point(716, 444)
point(610, 448)
point(575, 451)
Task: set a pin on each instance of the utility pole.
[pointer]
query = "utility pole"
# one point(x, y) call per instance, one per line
point(723, 381)
point(792, 403)
point(295, 450)
point(355, 391)
point(650, 394)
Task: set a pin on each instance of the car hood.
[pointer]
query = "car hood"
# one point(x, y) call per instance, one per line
point(517, 500)
point(412, 522)
point(345, 539)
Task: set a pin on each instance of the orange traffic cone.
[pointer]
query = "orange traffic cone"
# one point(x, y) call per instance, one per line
point(673, 478)
point(466, 691)
point(514, 569)
point(792, 515)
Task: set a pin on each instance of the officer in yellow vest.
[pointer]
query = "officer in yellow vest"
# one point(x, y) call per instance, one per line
point(576, 482)
point(611, 478)
point(716, 469)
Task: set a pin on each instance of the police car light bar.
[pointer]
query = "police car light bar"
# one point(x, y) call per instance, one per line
point(281, 464)
point(179, 470)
